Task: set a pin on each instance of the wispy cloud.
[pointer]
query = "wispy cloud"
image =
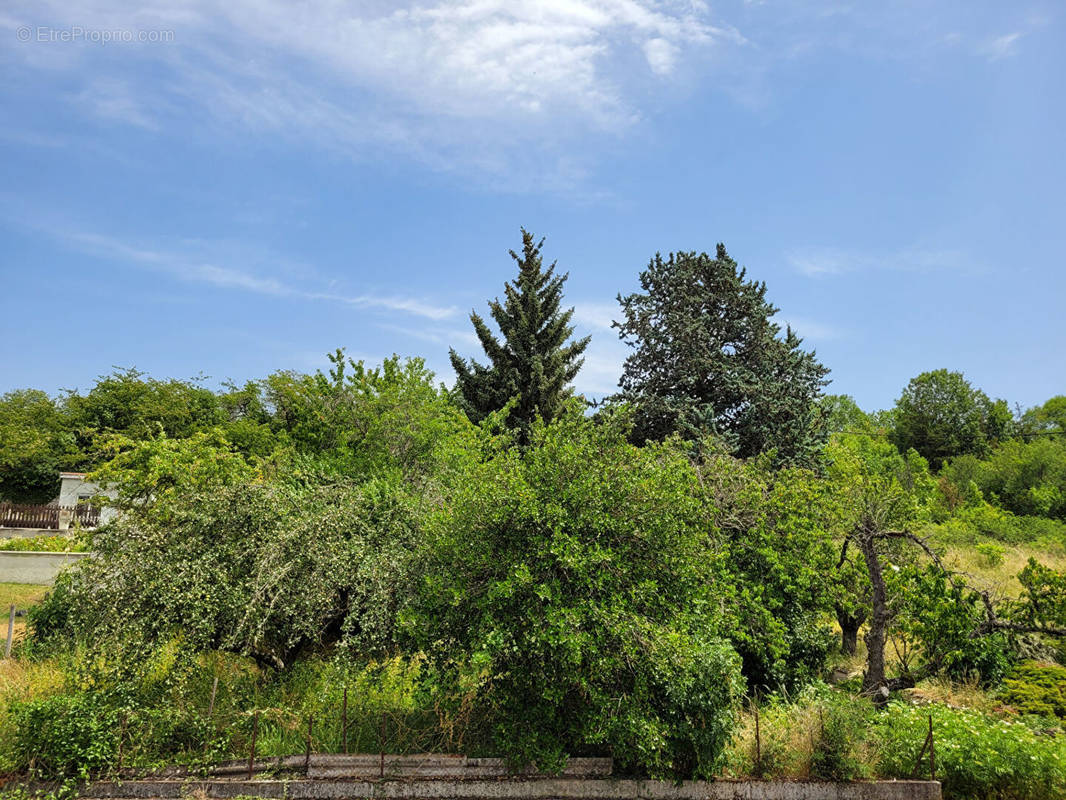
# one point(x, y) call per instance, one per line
point(811, 329)
point(364, 76)
point(596, 316)
point(1000, 47)
point(195, 266)
point(820, 262)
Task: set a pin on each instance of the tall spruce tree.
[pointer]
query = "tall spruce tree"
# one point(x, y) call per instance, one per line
point(534, 363)
point(708, 359)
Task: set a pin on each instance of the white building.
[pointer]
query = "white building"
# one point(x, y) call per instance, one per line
point(74, 490)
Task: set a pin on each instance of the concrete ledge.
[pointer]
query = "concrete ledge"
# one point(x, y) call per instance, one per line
point(372, 766)
point(34, 566)
point(515, 789)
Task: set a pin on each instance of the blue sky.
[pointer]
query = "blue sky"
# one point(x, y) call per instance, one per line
point(190, 189)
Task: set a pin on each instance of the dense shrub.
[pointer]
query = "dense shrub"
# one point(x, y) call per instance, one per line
point(1027, 478)
point(820, 732)
point(1038, 689)
point(977, 756)
point(268, 571)
point(571, 600)
point(67, 735)
point(835, 755)
point(942, 616)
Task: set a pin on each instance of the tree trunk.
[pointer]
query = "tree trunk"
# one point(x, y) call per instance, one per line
point(849, 629)
point(874, 683)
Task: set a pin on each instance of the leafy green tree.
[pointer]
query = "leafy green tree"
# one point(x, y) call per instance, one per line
point(266, 570)
point(535, 363)
point(358, 421)
point(941, 415)
point(1047, 418)
point(126, 402)
point(774, 529)
point(843, 415)
point(570, 601)
point(708, 359)
point(158, 471)
point(35, 446)
point(1026, 477)
point(882, 496)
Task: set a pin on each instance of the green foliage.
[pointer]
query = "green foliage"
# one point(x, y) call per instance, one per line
point(161, 471)
point(571, 600)
point(34, 447)
point(778, 554)
point(992, 553)
point(708, 360)
point(941, 415)
point(128, 403)
point(944, 618)
point(818, 732)
point(1050, 417)
point(843, 415)
point(1024, 477)
point(65, 736)
point(358, 422)
point(834, 755)
point(976, 755)
point(265, 570)
point(45, 544)
point(1043, 600)
point(1037, 689)
point(534, 364)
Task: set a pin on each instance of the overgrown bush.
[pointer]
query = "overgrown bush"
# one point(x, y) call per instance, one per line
point(65, 736)
point(942, 616)
point(1027, 478)
point(571, 598)
point(266, 570)
point(1035, 688)
point(977, 756)
point(820, 733)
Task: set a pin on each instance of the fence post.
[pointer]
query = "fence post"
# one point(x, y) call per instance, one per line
point(932, 753)
point(382, 743)
point(210, 719)
point(214, 691)
point(121, 740)
point(921, 753)
point(251, 752)
point(10, 632)
point(758, 742)
point(344, 722)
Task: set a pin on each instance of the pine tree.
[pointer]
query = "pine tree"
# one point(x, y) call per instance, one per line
point(708, 360)
point(534, 363)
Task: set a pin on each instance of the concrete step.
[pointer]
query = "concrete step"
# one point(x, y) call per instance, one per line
point(377, 766)
point(514, 788)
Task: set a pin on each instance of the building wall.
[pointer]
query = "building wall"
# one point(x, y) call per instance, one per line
point(74, 487)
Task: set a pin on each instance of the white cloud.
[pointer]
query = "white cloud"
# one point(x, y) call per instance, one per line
point(1000, 46)
point(114, 100)
point(593, 316)
point(431, 79)
point(811, 329)
point(194, 265)
point(821, 262)
point(661, 55)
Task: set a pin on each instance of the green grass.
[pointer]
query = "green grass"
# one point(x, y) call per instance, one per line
point(21, 595)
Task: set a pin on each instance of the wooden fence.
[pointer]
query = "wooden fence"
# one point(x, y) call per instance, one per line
point(15, 515)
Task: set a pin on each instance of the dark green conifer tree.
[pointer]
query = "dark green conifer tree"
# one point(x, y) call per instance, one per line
point(708, 360)
point(534, 362)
